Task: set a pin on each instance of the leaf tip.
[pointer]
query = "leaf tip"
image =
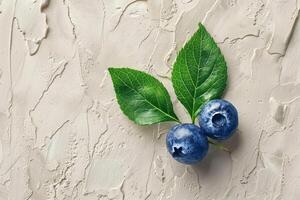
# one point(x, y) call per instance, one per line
point(202, 27)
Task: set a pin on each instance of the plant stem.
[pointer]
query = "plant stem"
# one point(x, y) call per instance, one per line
point(178, 121)
point(193, 119)
point(218, 145)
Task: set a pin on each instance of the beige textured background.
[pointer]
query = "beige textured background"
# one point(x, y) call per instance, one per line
point(63, 136)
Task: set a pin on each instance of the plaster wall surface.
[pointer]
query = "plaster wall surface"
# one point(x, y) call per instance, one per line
point(63, 136)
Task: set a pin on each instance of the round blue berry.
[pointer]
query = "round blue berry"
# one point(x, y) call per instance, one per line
point(187, 143)
point(219, 119)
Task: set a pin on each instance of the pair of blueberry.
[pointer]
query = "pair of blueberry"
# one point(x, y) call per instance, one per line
point(188, 143)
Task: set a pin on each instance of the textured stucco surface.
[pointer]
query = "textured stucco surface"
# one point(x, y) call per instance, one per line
point(63, 136)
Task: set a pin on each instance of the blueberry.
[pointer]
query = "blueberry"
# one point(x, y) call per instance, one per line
point(187, 143)
point(219, 119)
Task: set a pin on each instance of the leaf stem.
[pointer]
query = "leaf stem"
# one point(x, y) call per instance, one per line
point(219, 146)
point(193, 119)
point(177, 120)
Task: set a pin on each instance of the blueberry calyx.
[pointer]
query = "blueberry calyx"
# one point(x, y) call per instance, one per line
point(177, 152)
point(218, 120)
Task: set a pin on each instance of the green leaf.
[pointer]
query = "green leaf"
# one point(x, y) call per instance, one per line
point(142, 98)
point(199, 72)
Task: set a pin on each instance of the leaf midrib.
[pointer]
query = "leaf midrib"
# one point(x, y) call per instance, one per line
point(198, 70)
